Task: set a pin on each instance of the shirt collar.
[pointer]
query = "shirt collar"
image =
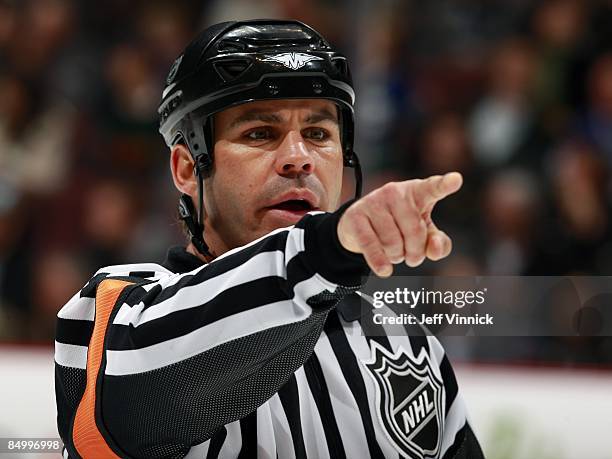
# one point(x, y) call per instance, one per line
point(178, 260)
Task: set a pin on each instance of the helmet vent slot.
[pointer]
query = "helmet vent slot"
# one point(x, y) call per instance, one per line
point(231, 69)
point(231, 46)
point(340, 65)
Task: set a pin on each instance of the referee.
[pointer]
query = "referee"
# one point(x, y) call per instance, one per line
point(249, 342)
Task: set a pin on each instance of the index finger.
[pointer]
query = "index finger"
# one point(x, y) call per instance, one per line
point(435, 188)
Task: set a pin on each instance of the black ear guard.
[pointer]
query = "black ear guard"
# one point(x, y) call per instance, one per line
point(188, 214)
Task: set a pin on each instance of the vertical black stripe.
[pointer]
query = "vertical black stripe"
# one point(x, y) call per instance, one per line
point(216, 442)
point(417, 343)
point(350, 370)
point(289, 398)
point(451, 452)
point(379, 335)
point(465, 446)
point(318, 387)
point(248, 429)
point(450, 382)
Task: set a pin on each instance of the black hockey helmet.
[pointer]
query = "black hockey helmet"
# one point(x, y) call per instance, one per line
point(232, 63)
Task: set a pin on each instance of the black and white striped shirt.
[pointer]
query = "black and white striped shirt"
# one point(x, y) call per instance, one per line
point(259, 353)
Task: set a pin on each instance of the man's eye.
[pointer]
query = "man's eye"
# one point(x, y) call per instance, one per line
point(259, 134)
point(317, 134)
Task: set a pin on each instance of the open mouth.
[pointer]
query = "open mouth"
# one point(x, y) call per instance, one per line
point(294, 205)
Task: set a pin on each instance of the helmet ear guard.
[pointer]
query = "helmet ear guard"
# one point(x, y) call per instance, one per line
point(193, 136)
point(188, 213)
point(196, 134)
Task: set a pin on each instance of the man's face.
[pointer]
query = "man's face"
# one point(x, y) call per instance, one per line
point(274, 161)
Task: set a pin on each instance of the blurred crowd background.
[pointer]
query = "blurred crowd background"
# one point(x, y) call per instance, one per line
point(514, 94)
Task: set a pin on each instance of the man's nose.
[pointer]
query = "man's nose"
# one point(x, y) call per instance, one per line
point(293, 158)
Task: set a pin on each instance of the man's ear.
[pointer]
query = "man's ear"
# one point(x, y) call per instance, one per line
point(181, 164)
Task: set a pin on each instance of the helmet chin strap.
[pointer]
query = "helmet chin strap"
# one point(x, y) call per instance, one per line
point(353, 162)
point(188, 214)
point(194, 219)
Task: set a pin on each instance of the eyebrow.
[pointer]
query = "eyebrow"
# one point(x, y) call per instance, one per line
point(273, 117)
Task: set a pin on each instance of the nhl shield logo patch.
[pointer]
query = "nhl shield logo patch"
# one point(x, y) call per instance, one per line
point(410, 401)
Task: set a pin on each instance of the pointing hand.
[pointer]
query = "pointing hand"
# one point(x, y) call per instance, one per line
point(393, 223)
